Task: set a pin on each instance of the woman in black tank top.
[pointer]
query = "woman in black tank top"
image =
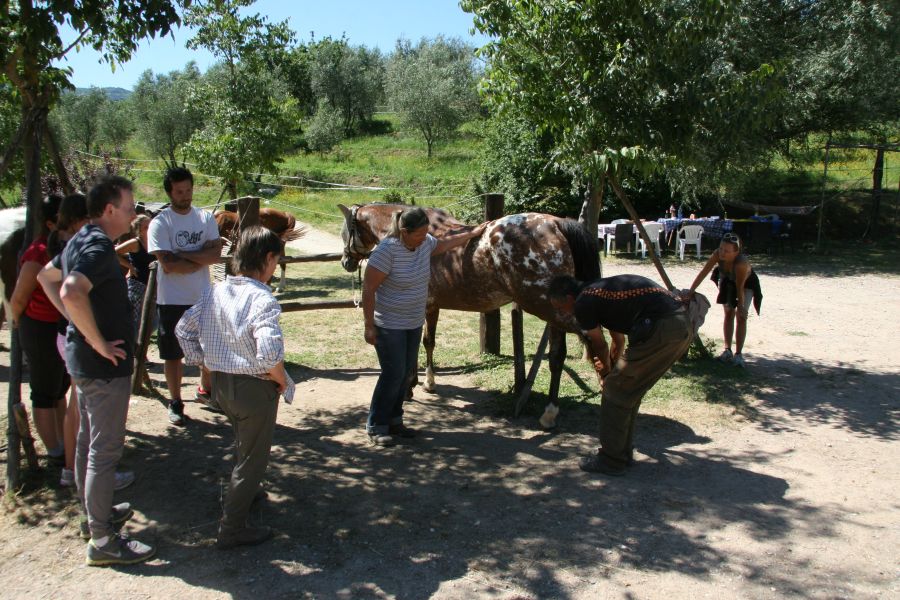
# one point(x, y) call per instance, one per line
point(734, 277)
point(134, 256)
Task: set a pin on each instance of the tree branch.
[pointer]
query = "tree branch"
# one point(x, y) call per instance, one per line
point(13, 146)
point(626, 202)
point(73, 44)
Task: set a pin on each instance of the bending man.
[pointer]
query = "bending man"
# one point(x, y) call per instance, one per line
point(659, 332)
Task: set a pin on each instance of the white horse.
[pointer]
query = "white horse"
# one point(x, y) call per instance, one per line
point(12, 229)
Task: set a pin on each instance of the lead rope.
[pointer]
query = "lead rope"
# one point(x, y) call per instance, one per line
point(356, 285)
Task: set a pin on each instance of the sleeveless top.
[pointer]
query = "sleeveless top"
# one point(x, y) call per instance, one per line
point(727, 284)
point(141, 260)
point(730, 275)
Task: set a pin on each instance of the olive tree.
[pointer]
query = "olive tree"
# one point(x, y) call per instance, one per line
point(349, 79)
point(164, 117)
point(432, 86)
point(79, 116)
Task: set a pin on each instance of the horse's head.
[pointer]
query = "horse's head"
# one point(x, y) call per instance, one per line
point(358, 240)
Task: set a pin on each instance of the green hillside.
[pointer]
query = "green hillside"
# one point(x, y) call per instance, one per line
point(395, 161)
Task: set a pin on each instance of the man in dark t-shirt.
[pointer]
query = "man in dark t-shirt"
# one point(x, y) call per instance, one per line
point(86, 285)
point(659, 333)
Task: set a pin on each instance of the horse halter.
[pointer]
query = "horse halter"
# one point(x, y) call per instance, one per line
point(354, 248)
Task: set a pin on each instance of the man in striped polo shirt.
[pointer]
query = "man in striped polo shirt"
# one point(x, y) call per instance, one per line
point(659, 333)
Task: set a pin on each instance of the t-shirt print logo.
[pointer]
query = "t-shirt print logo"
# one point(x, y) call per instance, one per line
point(187, 238)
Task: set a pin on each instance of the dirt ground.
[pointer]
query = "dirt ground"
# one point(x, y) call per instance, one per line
point(797, 500)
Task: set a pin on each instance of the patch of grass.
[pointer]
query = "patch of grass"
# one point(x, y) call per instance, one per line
point(798, 333)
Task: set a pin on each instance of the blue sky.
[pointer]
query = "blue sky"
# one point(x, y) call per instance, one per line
point(371, 23)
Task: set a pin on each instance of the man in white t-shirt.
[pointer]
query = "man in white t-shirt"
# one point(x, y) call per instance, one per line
point(185, 241)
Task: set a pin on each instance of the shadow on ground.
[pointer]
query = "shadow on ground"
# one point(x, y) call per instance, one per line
point(494, 502)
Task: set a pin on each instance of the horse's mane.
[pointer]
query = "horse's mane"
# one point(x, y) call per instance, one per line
point(585, 252)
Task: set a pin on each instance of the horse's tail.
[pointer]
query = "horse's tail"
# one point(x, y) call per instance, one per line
point(294, 233)
point(584, 248)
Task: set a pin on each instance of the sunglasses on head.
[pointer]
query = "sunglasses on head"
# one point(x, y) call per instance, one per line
point(731, 237)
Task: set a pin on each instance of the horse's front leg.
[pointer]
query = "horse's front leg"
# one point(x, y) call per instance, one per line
point(431, 319)
point(557, 359)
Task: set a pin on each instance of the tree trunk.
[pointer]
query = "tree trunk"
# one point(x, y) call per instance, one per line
point(232, 188)
point(877, 178)
point(593, 201)
point(63, 175)
point(32, 147)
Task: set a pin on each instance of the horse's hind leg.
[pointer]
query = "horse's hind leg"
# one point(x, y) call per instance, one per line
point(431, 319)
point(557, 359)
point(283, 266)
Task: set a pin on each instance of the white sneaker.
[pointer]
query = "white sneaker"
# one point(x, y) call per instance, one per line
point(124, 479)
point(726, 357)
point(67, 478)
point(739, 361)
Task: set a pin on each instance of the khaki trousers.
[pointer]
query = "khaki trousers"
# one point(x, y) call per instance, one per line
point(251, 404)
point(639, 368)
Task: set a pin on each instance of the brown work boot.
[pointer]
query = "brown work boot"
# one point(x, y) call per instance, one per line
point(243, 536)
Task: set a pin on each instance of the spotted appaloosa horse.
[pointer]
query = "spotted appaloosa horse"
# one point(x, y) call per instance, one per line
point(513, 261)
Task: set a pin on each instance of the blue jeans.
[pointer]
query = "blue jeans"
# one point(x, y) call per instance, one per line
point(398, 353)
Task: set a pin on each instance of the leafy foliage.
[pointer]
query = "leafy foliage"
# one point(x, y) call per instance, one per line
point(165, 118)
point(249, 120)
point(432, 86)
point(30, 41)
point(349, 79)
point(325, 129)
point(626, 85)
point(117, 124)
point(516, 160)
point(79, 118)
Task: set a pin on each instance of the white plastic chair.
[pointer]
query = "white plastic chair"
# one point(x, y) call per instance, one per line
point(692, 236)
point(653, 231)
point(611, 237)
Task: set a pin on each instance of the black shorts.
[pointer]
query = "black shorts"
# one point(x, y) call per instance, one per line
point(48, 377)
point(169, 314)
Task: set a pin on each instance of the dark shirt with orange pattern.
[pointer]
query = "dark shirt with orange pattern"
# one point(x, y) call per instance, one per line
point(624, 303)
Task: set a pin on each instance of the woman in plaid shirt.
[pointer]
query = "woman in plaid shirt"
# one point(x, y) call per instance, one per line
point(233, 330)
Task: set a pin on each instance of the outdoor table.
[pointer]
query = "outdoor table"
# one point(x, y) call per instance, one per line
point(712, 228)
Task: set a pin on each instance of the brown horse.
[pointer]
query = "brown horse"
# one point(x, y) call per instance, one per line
point(513, 261)
point(282, 223)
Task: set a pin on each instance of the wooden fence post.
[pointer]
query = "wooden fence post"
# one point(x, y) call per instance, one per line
point(248, 212)
point(489, 323)
point(146, 328)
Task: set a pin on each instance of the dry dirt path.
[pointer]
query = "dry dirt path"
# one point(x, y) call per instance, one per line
point(797, 499)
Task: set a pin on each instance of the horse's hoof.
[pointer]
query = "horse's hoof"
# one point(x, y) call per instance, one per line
point(548, 419)
point(429, 387)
